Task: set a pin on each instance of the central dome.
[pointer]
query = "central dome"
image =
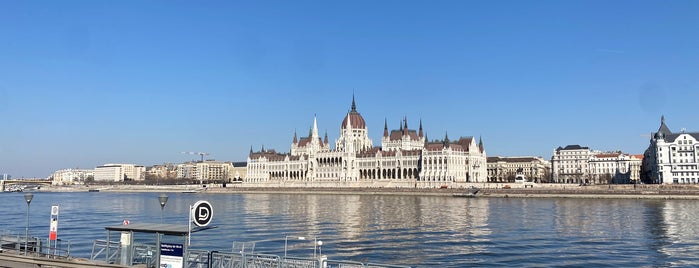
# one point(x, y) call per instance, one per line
point(357, 121)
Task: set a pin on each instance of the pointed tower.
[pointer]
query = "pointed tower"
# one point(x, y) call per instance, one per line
point(354, 106)
point(446, 140)
point(325, 141)
point(421, 134)
point(353, 130)
point(295, 138)
point(385, 128)
point(480, 143)
point(314, 131)
point(405, 125)
point(349, 143)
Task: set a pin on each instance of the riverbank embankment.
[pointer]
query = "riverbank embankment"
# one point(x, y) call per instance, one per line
point(486, 190)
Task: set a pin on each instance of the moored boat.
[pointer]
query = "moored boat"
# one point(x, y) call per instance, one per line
point(472, 191)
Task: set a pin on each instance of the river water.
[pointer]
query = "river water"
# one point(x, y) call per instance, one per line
point(420, 231)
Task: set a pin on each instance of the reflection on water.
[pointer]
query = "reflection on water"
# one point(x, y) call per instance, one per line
point(424, 231)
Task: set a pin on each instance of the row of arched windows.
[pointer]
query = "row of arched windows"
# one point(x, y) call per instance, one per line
point(405, 173)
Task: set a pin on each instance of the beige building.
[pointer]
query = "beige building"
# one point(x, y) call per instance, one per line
point(205, 171)
point(504, 169)
point(165, 171)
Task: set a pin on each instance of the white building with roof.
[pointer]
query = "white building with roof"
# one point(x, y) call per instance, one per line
point(570, 164)
point(577, 164)
point(504, 169)
point(671, 158)
point(119, 172)
point(206, 171)
point(71, 176)
point(405, 155)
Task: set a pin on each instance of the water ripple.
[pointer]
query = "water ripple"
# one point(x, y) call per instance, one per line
point(422, 231)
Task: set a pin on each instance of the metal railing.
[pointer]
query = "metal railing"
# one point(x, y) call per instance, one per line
point(144, 254)
point(148, 255)
point(343, 264)
point(100, 249)
point(34, 246)
point(198, 259)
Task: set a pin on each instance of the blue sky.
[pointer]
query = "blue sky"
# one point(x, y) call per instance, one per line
point(83, 83)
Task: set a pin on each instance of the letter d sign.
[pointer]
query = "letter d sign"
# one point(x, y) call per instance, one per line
point(202, 212)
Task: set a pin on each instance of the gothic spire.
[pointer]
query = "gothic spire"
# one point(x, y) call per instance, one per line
point(295, 139)
point(405, 125)
point(314, 131)
point(664, 130)
point(354, 106)
point(326, 137)
point(385, 127)
point(446, 139)
point(421, 134)
point(480, 143)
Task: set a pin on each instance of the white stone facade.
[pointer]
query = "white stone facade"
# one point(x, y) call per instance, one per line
point(119, 172)
point(671, 158)
point(71, 176)
point(615, 167)
point(569, 164)
point(580, 165)
point(109, 172)
point(405, 155)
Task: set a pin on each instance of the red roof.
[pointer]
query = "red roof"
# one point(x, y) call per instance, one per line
point(357, 120)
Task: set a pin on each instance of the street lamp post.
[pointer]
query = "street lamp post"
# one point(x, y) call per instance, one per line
point(163, 200)
point(318, 244)
point(27, 197)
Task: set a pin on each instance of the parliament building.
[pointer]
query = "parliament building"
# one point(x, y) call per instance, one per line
point(405, 155)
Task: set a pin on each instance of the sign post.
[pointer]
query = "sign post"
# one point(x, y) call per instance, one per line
point(53, 229)
point(171, 255)
point(200, 214)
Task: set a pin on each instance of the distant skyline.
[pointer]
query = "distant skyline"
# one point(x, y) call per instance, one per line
point(84, 83)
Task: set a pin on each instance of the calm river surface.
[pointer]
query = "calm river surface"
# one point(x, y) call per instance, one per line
point(421, 231)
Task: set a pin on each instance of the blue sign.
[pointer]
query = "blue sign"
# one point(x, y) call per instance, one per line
point(171, 255)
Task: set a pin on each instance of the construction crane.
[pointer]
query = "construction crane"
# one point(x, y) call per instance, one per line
point(199, 153)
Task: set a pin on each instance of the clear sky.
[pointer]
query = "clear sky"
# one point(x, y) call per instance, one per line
point(84, 83)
